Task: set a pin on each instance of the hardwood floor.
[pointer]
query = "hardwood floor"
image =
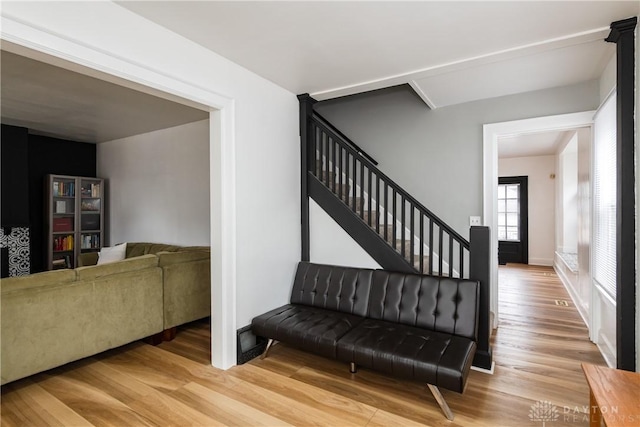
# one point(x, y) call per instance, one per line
point(537, 348)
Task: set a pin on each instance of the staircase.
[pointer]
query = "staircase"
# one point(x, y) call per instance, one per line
point(395, 229)
point(374, 217)
point(421, 241)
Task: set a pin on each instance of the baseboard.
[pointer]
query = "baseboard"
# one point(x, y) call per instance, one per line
point(544, 262)
point(567, 285)
point(485, 371)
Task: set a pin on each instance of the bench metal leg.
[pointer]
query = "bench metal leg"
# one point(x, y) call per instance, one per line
point(266, 350)
point(443, 404)
point(353, 368)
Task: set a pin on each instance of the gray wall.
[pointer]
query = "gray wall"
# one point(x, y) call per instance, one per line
point(436, 155)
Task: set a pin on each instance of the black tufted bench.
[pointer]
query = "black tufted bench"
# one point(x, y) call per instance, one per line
point(412, 326)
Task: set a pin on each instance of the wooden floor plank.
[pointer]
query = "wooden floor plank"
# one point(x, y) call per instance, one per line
point(225, 409)
point(93, 404)
point(537, 349)
point(28, 404)
point(344, 408)
point(163, 409)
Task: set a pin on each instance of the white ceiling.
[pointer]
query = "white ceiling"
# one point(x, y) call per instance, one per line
point(52, 101)
point(533, 144)
point(448, 51)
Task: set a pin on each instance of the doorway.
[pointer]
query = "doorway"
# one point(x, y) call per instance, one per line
point(491, 134)
point(52, 48)
point(513, 220)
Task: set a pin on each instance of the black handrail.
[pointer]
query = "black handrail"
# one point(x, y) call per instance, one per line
point(347, 145)
point(344, 138)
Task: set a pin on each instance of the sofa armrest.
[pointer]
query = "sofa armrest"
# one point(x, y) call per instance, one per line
point(89, 258)
point(186, 280)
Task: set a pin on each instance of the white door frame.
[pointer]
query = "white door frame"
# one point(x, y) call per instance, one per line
point(491, 133)
point(38, 43)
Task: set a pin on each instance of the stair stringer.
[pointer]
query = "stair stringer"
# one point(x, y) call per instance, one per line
point(350, 222)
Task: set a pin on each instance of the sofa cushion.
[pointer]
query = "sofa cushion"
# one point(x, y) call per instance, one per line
point(409, 352)
point(434, 303)
point(126, 265)
point(130, 306)
point(334, 288)
point(309, 328)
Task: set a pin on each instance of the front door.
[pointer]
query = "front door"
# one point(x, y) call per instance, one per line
point(513, 223)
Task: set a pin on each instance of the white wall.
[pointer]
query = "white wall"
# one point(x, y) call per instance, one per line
point(330, 244)
point(568, 173)
point(583, 290)
point(436, 155)
point(608, 77)
point(158, 190)
point(259, 123)
point(541, 202)
point(573, 216)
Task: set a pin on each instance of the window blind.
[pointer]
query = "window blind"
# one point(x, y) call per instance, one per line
point(604, 196)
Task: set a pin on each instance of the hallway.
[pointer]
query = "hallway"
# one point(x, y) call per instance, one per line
point(537, 349)
point(541, 341)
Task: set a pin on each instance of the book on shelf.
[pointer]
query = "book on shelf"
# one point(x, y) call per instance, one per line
point(63, 243)
point(61, 206)
point(90, 190)
point(64, 189)
point(91, 241)
point(62, 224)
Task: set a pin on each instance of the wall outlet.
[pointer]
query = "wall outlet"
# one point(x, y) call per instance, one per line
point(475, 220)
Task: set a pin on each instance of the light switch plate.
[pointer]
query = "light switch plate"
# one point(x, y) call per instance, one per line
point(475, 220)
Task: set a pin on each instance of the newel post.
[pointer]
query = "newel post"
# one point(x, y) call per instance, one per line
point(479, 269)
point(306, 110)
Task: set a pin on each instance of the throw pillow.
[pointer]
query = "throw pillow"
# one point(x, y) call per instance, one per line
point(112, 254)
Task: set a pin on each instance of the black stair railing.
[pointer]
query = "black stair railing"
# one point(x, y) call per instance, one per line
point(426, 242)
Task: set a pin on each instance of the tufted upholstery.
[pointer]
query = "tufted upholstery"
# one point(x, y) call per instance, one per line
point(434, 303)
point(409, 352)
point(334, 288)
point(408, 325)
point(316, 330)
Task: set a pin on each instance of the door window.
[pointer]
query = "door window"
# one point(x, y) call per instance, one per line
point(509, 212)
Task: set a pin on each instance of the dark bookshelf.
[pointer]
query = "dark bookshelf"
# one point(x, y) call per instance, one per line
point(74, 222)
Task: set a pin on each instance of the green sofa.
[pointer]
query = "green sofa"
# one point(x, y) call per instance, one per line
point(55, 317)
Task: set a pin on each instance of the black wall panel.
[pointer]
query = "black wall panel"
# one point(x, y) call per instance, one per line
point(52, 156)
point(25, 160)
point(14, 155)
